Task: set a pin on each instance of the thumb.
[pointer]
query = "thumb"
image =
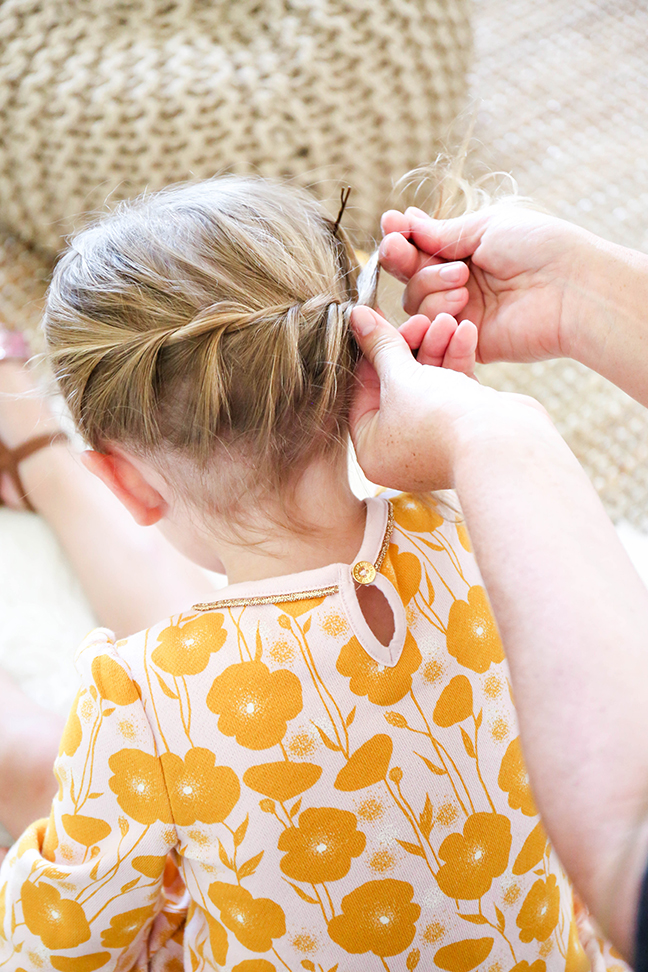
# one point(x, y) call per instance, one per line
point(380, 342)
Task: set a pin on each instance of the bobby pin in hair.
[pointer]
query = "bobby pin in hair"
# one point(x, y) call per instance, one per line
point(344, 198)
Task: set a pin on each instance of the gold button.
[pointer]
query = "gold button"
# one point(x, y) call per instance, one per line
point(364, 572)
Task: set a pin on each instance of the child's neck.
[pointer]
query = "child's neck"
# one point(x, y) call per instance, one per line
point(324, 500)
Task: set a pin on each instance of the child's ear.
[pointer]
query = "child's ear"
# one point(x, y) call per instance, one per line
point(145, 504)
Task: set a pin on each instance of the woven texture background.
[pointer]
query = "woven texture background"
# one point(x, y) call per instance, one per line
point(561, 96)
point(99, 99)
point(106, 99)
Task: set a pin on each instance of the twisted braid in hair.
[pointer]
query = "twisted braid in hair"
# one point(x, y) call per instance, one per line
point(210, 315)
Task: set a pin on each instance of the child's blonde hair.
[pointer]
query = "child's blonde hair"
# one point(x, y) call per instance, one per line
point(206, 316)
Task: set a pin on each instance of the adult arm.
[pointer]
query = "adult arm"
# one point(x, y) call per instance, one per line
point(571, 609)
point(536, 287)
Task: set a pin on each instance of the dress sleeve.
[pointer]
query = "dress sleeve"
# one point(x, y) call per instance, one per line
point(87, 889)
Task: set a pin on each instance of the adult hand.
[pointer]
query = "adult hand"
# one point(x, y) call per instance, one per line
point(520, 285)
point(410, 419)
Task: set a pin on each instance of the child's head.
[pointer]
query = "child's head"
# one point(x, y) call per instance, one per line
point(206, 322)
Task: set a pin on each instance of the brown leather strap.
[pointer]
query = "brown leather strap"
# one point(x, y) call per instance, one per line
point(10, 459)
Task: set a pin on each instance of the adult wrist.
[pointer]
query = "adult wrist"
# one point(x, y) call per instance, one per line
point(501, 422)
point(604, 312)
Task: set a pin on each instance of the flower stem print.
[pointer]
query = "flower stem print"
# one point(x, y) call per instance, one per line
point(429, 615)
point(499, 927)
point(443, 755)
point(454, 560)
point(185, 723)
point(418, 826)
point(418, 848)
point(111, 872)
point(278, 956)
point(89, 761)
point(478, 720)
point(242, 643)
point(341, 734)
point(425, 555)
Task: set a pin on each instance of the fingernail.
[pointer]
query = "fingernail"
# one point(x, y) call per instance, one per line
point(362, 320)
point(452, 273)
point(453, 295)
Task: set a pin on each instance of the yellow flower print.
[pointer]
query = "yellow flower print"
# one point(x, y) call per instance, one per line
point(540, 911)
point(282, 780)
point(58, 922)
point(282, 652)
point(511, 894)
point(82, 963)
point(382, 861)
point(371, 809)
point(368, 765)
point(85, 830)
point(113, 683)
point(472, 637)
point(403, 570)
point(301, 745)
point(73, 732)
point(254, 921)
point(186, 649)
point(377, 917)
point(198, 789)
point(537, 966)
point(464, 539)
point(532, 851)
point(335, 624)
point(415, 515)
point(381, 684)
point(50, 838)
point(255, 704)
point(125, 927)
point(514, 780)
point(149, 865)
point(464, 956)
point(305, 943)
point(474, 858)
point(255, 965)
point(139, 786)
point(432, 671)
point(577, 960)
point(455, 702)
point(321, 847)
point(217, 936)
point(434, 932)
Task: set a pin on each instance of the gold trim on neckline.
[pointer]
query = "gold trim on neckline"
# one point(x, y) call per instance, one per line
point(253, 600)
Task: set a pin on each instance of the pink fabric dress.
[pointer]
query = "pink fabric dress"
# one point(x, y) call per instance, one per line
point(260, 784)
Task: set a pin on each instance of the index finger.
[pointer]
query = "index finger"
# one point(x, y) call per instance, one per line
point(401, 258)
point(448, 239)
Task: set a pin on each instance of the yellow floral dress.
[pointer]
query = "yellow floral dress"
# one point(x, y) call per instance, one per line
point(260, 785)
